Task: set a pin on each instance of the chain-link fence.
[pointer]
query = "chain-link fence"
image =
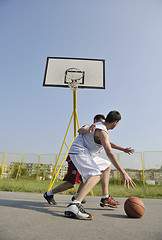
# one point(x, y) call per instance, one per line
point(145, 167)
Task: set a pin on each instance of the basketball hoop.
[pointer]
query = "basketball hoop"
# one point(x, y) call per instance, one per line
point(74, 77)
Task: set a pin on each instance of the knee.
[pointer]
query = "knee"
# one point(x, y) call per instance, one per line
point(72, 185)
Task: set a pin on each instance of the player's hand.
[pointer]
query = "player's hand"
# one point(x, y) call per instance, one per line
point(128, 181)
point(92, 127)
point(129, 150)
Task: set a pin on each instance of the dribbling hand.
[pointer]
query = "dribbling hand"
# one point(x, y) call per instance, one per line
point(128, 181)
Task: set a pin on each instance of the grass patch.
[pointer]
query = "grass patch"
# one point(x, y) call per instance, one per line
point(149, 191)
point(34, 186)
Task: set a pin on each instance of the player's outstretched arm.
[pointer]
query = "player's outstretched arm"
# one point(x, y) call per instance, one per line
point(104, 138)
point(128, 150)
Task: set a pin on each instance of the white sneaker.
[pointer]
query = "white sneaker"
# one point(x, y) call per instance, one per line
point(76, 210)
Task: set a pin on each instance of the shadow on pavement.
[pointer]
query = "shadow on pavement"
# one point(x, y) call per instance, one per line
point(36, 206)
point(115, 215)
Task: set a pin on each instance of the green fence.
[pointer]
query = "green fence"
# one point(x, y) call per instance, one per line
point(145, 167)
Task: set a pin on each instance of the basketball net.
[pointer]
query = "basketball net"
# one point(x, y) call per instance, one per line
point(73, 84)
point(74, 77)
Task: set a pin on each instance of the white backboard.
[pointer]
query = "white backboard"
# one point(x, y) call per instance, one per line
point(91, 70)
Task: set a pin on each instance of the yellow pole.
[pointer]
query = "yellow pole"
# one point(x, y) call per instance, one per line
point(119, 175)
point(60, 166)
point(75, 111)
point(38, 167)
point(91, 192)
point(76, 122)
point(18, 172)
point(143, 169)
point(51, 182)
point(4, 158)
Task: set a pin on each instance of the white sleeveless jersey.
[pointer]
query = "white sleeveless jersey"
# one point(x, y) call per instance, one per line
point(86, 142)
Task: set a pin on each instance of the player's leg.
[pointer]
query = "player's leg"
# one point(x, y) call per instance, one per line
point(70, 179)
point(75, 209)
point(87, 187)
point(63, 187)
point(79, 188)
point(105, 181)
point(107, 200)
point(105, 166)
point(91, 175)
point(73, 177)
point(49, 196)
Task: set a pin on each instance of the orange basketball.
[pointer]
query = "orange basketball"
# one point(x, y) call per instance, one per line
point(134, 207)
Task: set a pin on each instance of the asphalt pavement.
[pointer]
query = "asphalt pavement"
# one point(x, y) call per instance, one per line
point(27, 216)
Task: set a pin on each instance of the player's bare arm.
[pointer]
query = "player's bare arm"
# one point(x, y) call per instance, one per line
point(128, 150)
point(86, 129)
point(104, 139)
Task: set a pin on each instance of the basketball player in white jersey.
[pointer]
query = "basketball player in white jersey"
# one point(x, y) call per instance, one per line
point(82, 151)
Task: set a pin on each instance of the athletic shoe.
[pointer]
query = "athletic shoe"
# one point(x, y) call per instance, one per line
point(83, 201)
point(50, 199)
point(109, 202)
point(76, 210)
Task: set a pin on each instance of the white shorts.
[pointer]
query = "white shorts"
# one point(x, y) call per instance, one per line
point(88, 165)
point(101, 163)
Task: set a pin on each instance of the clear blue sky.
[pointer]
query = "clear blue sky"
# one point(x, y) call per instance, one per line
point(127, 34)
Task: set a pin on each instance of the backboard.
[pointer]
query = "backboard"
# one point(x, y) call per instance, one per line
point(60, 71)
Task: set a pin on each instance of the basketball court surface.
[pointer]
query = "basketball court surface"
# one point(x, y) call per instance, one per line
point(28, 216)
